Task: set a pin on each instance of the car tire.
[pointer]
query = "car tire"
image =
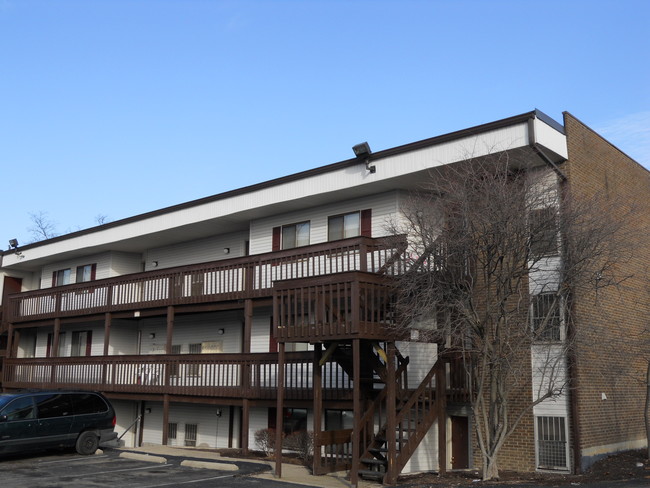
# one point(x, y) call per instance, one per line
point(87, 443)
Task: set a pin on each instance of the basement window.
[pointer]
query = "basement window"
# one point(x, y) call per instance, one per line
point(551, 443)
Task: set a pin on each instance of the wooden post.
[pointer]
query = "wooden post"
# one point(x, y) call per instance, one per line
point(317, 386)
point(170, 329)
point(391, 415)
point(10, 338)
point(245, 380)
point(441, 400)
point(356, 407)
point(107, 340)
point(245, 425)
point(279, 417)
point(165, 420)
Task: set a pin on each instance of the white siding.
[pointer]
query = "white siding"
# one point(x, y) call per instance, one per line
point(261, 330)
point(549, 368)
point(109, 264)
point(212, 430)
point(125, 263)
point(126, 412)
point(422, 357)
point(425, 457)
point(192, 329)
point(197, 251)
point(383, 205)
point(124, 338)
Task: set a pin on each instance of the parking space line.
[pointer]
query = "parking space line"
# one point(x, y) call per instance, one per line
point(132, 469)
point(83, 459)
point(178, 483)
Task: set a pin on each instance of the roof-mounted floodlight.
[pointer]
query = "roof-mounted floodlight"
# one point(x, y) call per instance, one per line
point(362, 151)
point(13, 243)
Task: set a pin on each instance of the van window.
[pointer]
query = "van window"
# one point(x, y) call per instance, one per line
point(88, 403)
point(58, 405)
point(20, 409)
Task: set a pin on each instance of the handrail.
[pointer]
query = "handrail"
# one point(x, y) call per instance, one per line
point(228, 279)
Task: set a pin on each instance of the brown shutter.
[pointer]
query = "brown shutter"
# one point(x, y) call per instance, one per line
point(93, 271)
point(366, 222)
point(277, 234)
point(53, 278)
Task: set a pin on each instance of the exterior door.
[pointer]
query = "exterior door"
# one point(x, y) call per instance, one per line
point(459, 442)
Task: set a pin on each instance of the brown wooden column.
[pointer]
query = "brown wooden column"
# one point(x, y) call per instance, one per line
point(391, 415)
point(279, 417)
point(356, 407)
point(107, 331)
point(441, 400)
point(10, 338)
point(54, 352)
point(107, 341)
point(317, 386)
point(165, 420)
point(170, 329)
point(246, 375)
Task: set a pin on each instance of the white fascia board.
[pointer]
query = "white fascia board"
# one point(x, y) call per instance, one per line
point(341, 179)
point(550, 138)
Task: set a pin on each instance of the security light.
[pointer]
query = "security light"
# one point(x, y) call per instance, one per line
point(13, 243)
point(362, 151)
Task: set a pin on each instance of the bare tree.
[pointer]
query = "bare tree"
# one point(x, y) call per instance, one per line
point(101, 219)
point(42, 226)
point(495, 255)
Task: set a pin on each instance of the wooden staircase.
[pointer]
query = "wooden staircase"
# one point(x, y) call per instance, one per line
point(387, 450)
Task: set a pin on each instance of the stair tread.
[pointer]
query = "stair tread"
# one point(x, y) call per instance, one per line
point(378, 462)
point(367, 473)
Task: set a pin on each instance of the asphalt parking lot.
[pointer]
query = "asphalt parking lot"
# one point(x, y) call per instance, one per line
point(66, 469)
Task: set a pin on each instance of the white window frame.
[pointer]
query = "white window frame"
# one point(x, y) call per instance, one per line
point(567, 460)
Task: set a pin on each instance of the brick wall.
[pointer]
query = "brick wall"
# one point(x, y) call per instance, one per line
point(614, 324)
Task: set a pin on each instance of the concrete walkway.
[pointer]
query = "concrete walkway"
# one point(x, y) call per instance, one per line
point(291, 473)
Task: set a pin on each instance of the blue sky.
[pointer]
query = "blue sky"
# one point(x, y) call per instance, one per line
point(119, 107)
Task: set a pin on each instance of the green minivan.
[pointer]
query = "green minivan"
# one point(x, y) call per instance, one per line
point(37, 420)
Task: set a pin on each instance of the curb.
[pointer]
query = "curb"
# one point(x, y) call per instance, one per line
point(143, 457)
point(209, 465)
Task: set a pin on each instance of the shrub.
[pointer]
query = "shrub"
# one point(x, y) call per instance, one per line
point(265, 440)
point(301, 442)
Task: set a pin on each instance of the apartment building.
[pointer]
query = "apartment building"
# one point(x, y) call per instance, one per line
point(269, 306)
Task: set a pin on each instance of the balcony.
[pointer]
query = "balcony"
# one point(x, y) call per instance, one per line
point(251, 376)
point(336, 307)
point(226, 280)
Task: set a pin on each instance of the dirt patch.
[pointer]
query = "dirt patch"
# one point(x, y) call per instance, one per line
point(623, 466)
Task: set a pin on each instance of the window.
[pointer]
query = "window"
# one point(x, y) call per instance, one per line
point(295, 420)
point(349, 225)
point(551, 443)
point(543, 230)
point(190, 434)
point(546, 317)
point(82, 341)
point(20, 409)
point(50, 406)
point(61, 277)
point(86, 273)
point(295, 235)
point(50, 342)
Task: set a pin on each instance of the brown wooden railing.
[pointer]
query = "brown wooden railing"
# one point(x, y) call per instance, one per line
point(340, 306)
point(232, 279)
point(252, 376)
